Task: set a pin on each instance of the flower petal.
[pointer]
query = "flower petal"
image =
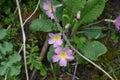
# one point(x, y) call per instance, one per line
point(48, 13)
point(70, 58)
point(58, 50)
point(55, 58)
point(56, 45)
point(51, 35)
point(68, 51)
point(63, 62)
point(52, 16)
point(117, 23)
point(45, 6)
point(51, 41)
point(59, 42)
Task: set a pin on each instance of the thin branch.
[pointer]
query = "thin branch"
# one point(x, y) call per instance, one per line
point(93, 23)
point(72, 75)
point(80, 54)
point(24, 39)
point(32, 13)
point(28, 19)
point(75, 71)
point(20, 49)
point(44, 49)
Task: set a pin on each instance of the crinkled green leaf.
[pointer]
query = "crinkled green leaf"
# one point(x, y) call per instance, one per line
point(79, 42)
point(14, 58)
point(93, 32)
point(75, 5)
point(45, 25)
point(2, 33)
point(92, 10)
point(50, 53)
point(14, 70)
point(11, 66)
point(5, 47)
point(3, 69)
point(93, 50)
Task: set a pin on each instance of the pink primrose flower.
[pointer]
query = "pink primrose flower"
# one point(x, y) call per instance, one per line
point(50, 9)
point(55, 39)
point(117, 23)
point(62, 56)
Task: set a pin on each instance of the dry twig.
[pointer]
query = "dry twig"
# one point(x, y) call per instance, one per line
point(76, 64)
point(32, 13)
point(24, 39)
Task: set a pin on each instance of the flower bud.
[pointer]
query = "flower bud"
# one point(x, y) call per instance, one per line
point(78, 15)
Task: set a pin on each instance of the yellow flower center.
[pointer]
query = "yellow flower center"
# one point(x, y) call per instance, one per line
point(56, 38)
point(63, 55)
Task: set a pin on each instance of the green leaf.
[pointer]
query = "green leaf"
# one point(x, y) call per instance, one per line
point(14, 70)
point(3, 68)
point(11, 66)
point(50, 53)
point(91, 12)
point(45, 25)
point(59, 12)
point(13, 78)
point(93, 50)
point(93, 32)
point(6, 9)
point(37, 64)
point(79, 42)
point(14, 58)
point(65, 20)
point(2, 33)
point(6, 47)
point(43, 71)
point(75, 5)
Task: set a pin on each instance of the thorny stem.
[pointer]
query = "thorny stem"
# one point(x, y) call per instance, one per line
point(80, 54)
point(24, 39)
